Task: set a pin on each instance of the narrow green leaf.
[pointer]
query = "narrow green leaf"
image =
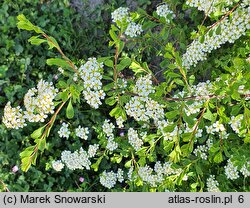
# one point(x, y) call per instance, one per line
point(218, 157)
point(109, 63)
point(35, 40)
point(70, 110)
point(218, 30)
point(57, 62)
point(37, 133)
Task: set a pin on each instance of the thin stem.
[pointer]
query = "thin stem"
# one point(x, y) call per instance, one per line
point(4, 186)
point(227, 14)
point(61, 52)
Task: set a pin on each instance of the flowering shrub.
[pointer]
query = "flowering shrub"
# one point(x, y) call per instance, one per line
point(130, 130)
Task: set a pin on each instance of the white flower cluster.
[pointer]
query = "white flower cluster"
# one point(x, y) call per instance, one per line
point(108, 129)
point(164, 11)
point(80, 158)
point(141, 107)
point(210, 6)
point(57, 165)
point(121, 16)
point(119, 175)
point(119, 122)
point(13, 117)
point(198, 132)
point(144, 86)
point(64, 131)
point(212, 184)
point(245, 169)
point(193, 108)
point(91, 74)
point(156, 175)
point(171, 136)
point(38, 103)
point(82, 132)
point(215, 127)
point(231, 30)
point(109, 179)
point(201, 151)
point(93, 150)
point(236, 123)
point(202, 91)
point(133, 29)
point(134, 140)
point(231, 170)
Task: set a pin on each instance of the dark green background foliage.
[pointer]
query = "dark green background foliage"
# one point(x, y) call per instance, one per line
point(83, 34)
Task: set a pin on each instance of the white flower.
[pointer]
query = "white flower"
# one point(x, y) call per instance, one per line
point(108, 179)
point(245, 172)
point(133, 29)
point(236, 123)
point(108, 128)
point(212, 184)
point(218, 127)
point(76, 160)
point(82, 132)
point(119, 175)
point(57, 165)
point(231, 30)
point(92, 150)
point(121, 14)
point(13, 117)
point(134, 139)
point(39, 102)
point(111, 145)
point(231, 171)
point(91, 74)
point(164, 11)
point(201, 151)
point(64, 131)
point(130, 172)
point(210, 6)
point(119, 122)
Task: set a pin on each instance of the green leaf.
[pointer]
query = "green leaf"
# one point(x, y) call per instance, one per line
point(218, 157)
point(218, 30)
point(109, 63)
point(137, 68)
point(120, 45)
point(35, 40)
point(53, 43)
point(116, 112)
point(110, 101)
point(37, 133)
point(70, 110)
point(26, 163)
point(208, 115)
point(202, 39)
point(172, 66)
point(113, 35)
point(95, 166)
point(211, 32)
point(58, 62)
point(123, 64)
point(168, 55)
point(128, 164)
point(172, 114)
point(198, 169)
point(25, 24)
